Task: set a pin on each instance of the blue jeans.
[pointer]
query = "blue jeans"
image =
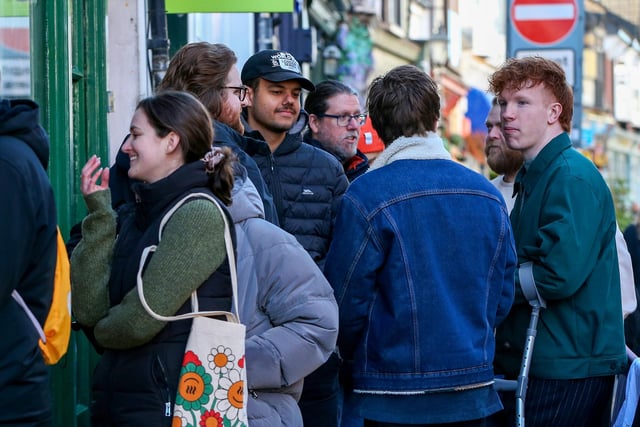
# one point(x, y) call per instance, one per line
point(320, 400)
point(348, 414)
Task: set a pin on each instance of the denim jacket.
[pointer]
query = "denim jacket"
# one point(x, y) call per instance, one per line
point(422, 274)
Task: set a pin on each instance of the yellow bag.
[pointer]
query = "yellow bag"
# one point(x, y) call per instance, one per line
point(54, 336)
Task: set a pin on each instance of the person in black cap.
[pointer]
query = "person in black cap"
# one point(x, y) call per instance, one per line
point(307, 185)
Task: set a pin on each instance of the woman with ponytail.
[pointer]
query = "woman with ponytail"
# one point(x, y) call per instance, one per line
point(171, 156)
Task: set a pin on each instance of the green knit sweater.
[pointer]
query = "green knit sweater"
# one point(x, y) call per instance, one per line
point(191, 249)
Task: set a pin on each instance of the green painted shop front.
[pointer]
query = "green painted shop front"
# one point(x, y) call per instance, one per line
point(55, 53)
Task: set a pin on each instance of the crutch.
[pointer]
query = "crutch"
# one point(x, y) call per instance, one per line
point(530, 292)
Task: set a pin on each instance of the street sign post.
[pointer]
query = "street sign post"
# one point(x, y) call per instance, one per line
point(552, 29)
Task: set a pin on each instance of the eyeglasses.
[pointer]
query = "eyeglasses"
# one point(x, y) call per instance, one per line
point(239, 91)
point(345, 119)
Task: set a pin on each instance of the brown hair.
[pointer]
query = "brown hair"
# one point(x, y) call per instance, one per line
point(518, 73)
point(403, 102)
point(182, 113)
point(201, 69)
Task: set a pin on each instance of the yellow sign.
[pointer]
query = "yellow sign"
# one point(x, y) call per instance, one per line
point(14, 8)
point(189, 6)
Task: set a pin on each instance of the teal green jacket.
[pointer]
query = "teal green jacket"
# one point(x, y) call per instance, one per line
point(564, 222)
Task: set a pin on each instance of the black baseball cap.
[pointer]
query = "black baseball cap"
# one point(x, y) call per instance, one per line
point(274, 66)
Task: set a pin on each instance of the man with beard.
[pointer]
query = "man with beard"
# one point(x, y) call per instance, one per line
point(500, 158)
point(307, 184)
point(335, 119)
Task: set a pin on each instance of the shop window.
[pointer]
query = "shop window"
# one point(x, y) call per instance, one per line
point(15, 62)
point(393, 14)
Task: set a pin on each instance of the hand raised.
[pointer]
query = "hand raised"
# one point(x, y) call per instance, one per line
point(91, 174)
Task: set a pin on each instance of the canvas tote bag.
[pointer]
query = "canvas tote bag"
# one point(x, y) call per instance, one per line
point(212, 386)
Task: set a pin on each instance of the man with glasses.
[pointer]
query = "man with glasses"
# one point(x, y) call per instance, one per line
point(209, 72)
point(307, 184)
point(335, 119)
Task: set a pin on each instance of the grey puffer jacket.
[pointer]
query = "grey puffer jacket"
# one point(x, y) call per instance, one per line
point(288, 308)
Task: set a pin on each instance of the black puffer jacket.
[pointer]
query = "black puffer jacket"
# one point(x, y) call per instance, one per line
point(27, 262)
point(307, 185)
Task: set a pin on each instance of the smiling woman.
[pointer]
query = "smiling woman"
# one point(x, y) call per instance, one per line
point(171, 156)
point(166, 132)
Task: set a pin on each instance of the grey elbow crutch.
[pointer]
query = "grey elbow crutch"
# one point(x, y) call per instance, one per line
point(530, 292)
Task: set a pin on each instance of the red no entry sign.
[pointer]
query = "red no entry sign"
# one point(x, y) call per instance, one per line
point(544, 22)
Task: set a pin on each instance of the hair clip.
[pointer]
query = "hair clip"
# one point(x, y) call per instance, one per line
point(212, 158)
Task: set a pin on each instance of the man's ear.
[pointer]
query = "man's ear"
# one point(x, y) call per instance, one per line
point(555, 109)
point(248, 100)
point(314, 123)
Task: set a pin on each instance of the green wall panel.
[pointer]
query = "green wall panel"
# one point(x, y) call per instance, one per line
point(68, 67)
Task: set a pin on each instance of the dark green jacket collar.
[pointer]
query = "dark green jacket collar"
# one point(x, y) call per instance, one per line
point(529, 175)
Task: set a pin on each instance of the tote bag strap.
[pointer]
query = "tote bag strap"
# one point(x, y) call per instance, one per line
point(231, 317)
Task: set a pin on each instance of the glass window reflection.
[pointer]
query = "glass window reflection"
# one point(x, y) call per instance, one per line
point(15, 63)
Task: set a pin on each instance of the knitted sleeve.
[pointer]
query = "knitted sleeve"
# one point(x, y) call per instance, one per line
point(91, 260)
point(191, 249)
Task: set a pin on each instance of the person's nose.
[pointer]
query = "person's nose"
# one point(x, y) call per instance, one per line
point(126, 146)
point(289, 98)
point(353, 123)
point(495, 133)
point(506, 112)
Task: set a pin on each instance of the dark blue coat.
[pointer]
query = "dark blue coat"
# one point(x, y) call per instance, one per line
point(27, 261)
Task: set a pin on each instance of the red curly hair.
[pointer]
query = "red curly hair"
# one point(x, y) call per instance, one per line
point(518, 73)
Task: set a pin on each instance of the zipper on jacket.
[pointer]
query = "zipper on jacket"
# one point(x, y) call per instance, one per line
point(167, 404)
point(276, 189)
